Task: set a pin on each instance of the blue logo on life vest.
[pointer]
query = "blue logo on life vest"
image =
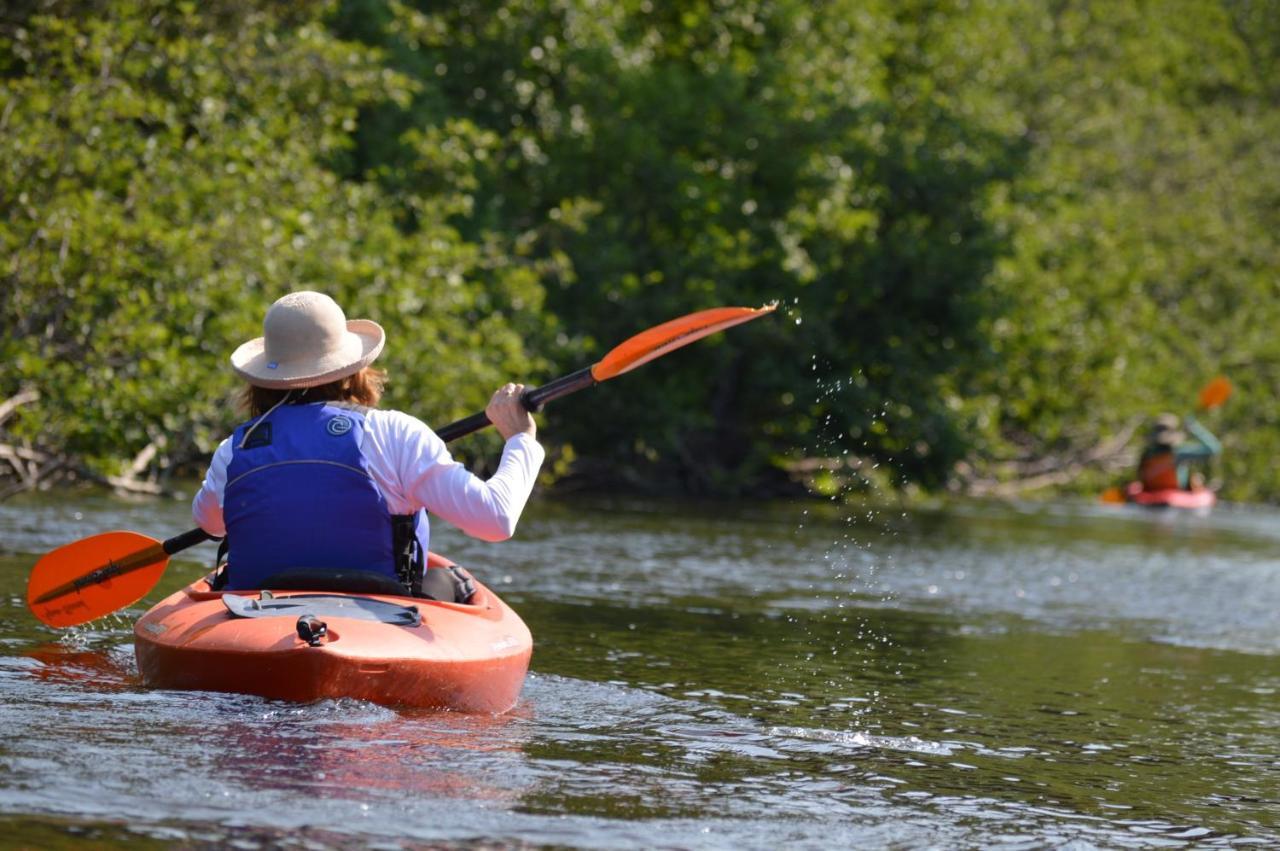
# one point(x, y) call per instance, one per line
point(339, 425)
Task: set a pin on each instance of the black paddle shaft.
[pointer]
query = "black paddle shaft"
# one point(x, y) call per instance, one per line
point(533, 401)
point(190, 538)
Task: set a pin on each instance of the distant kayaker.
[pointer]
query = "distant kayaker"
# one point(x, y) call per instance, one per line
point(321, 488)
point(1167, 461)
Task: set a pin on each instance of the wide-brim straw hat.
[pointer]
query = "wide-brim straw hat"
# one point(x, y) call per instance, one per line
point(307, 341)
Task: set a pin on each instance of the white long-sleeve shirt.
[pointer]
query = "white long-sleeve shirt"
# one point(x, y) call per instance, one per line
point(413, 469)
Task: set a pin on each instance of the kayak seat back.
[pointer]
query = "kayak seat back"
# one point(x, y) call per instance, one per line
point(346, 581)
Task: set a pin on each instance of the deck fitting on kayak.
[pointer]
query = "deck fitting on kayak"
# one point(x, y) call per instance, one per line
point(311, 629)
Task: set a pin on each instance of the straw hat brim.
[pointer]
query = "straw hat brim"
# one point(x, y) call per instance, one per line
point(360, 347)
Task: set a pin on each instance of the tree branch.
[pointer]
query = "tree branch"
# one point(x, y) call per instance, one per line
point(8, 406)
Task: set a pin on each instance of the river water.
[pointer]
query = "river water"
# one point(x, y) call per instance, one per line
point(795, 676)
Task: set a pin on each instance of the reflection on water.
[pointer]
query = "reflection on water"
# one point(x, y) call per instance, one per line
point(968, 677)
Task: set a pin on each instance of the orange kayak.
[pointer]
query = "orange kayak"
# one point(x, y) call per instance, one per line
point(397, 651)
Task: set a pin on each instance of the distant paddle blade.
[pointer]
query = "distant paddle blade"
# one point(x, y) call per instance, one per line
point(669, 336)
point(94, 577)
point(1215, 393)
point(1114, 495)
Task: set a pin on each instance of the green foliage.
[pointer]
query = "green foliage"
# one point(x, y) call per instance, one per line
point(659, 158)
point(999, 231)
point(1144, 258)
point(166, 176)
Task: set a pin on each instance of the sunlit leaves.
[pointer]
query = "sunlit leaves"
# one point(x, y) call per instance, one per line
point(1002, 230)
point(167, 174)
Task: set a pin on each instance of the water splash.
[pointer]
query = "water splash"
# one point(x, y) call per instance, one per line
point(860, 739)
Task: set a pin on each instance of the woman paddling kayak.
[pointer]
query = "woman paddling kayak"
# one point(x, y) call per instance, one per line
point(321, 488)
point(1167, 461)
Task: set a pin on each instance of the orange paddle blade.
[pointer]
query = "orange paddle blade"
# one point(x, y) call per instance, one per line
point(93, 577)
point(657, 341)
point(1215, 393)
point(1113, 495)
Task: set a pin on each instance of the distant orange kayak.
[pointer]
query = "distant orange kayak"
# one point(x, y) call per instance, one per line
point(306, 646)
point(1169, 497)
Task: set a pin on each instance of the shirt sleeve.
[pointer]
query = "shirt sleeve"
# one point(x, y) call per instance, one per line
point(206, 508)
point(1206, 446)
point(486, 509)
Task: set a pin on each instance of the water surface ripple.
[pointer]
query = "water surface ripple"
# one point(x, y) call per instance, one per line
point(774, 676)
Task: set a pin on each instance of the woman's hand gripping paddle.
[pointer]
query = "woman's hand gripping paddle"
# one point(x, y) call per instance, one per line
point(125, 566)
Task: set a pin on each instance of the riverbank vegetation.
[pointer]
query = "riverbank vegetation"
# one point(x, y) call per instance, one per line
point(1003, 234)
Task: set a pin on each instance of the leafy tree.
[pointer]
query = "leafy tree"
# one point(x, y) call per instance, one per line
point(1143, 255)
point(168, 172)
point(1000, 233)
point(660, 158)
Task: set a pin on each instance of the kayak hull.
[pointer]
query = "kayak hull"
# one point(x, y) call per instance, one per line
point(1170, 497)
point(471, 657)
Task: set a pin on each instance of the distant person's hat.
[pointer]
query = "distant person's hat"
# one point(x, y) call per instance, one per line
point(1166, 430)
point(307, 341)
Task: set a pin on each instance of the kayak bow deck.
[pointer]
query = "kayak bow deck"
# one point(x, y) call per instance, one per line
point(471, 657)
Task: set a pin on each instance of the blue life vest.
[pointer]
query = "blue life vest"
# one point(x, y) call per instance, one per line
point(299, 497)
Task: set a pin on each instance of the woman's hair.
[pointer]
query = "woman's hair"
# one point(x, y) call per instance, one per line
point(362, 388)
